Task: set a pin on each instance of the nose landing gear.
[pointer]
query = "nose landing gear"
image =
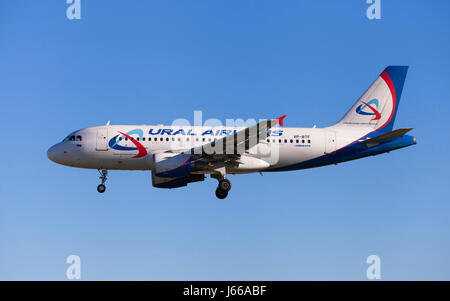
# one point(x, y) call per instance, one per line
point(103, 176)
point(101, 188)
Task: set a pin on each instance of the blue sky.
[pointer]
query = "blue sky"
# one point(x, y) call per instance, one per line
point(149, 62)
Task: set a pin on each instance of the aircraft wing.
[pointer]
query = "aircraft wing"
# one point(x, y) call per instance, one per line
point(238, 143)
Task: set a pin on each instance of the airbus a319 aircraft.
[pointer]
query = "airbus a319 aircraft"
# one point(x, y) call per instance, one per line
point(179, 155)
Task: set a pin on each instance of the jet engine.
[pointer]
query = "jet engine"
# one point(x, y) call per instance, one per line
point(172, 165)
point(161, 182)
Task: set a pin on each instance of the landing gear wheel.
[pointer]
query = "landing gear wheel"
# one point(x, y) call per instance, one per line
point(103, 176)
point(225, 185)
point(101, 188)
point(221, 194)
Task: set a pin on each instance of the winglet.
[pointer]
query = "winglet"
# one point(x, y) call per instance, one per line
point(280, 120)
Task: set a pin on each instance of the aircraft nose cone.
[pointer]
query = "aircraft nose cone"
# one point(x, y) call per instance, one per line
point(54, 153)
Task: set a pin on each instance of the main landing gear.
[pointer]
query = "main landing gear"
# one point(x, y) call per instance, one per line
point(224, 184)
point(103, 173)
point(223, 188)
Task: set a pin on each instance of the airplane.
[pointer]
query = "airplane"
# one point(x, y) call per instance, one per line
point(179, 155)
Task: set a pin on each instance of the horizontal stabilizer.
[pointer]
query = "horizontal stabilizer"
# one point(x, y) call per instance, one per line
point(386, 137)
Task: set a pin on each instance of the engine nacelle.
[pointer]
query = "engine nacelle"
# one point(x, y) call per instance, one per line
point(161, 182)
point(172, 165)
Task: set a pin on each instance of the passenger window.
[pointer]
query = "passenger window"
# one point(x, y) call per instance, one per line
point(292, 140)
point(303, 141)
point(187, 139)
point(296, 141)
point(285, 140)
point(161, 139)
point(309, 141)
point(167, 139)
point(143, 138)
point(279, 141)
point(268, 140)
point(120, 138)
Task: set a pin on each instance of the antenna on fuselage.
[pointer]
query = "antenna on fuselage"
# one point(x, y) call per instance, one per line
point(109, 121)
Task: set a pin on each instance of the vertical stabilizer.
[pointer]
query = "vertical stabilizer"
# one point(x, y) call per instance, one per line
point(377, 107)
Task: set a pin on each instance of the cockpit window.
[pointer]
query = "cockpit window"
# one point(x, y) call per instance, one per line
point(72, 138)
point(69, 138)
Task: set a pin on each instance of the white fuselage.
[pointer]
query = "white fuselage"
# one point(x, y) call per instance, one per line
point(95, 147)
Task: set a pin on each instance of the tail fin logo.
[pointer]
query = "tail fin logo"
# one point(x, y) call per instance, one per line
point(369, 108)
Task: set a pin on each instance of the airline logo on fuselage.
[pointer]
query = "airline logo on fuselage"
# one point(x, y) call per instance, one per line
point(114, 142)
point(369, 108)
point(211, 132)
